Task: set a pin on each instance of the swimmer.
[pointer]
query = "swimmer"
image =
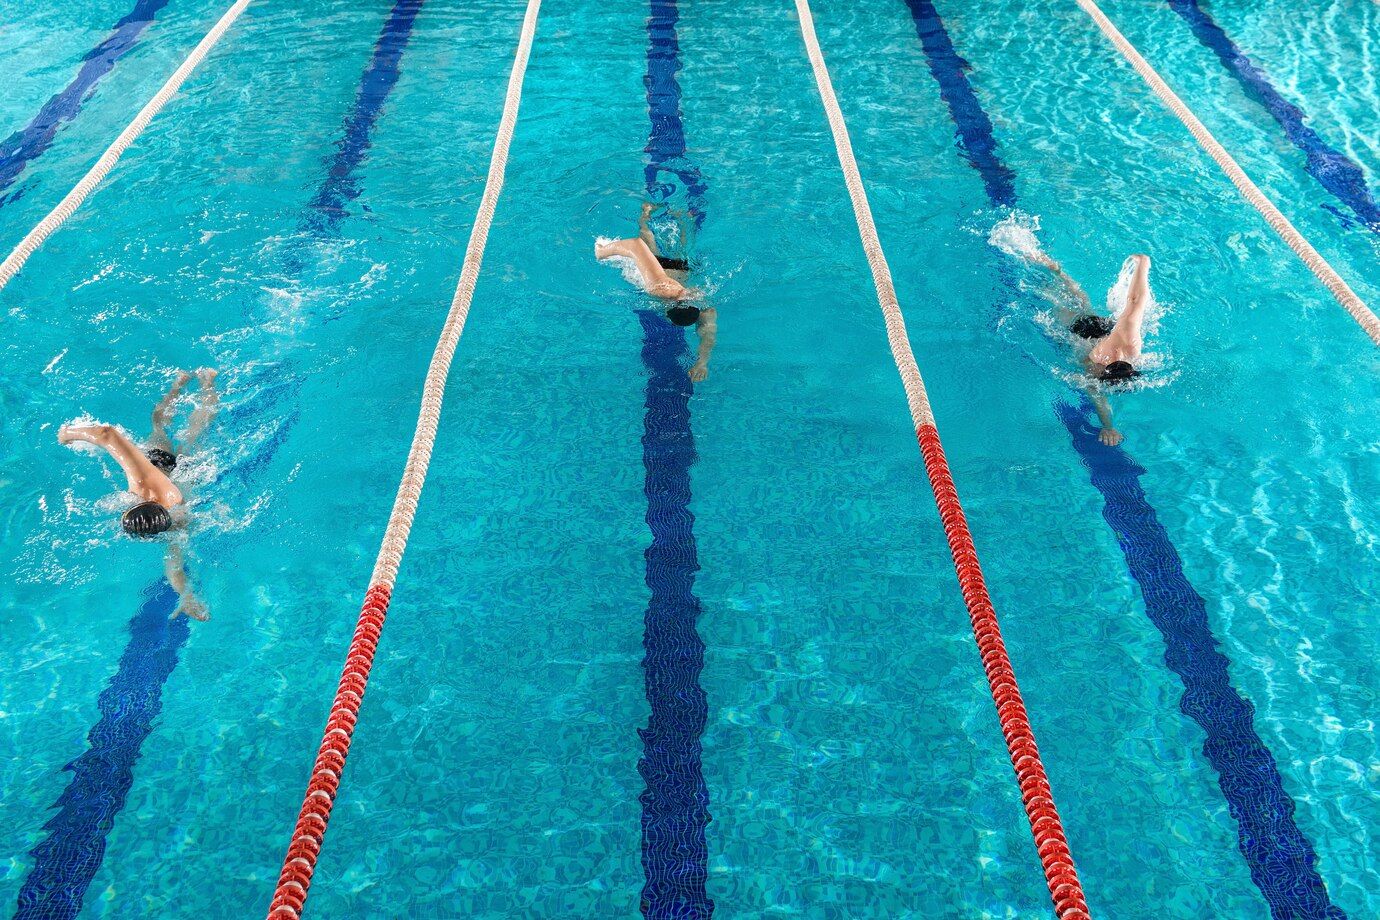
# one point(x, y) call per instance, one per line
point(1110, 349)
point(161, 504)
point(664, 277)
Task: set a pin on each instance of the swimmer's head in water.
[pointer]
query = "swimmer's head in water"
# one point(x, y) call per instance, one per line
point(683, 316)
point(1091, 326)
point(147, 519)
point(162, 460)
point(1118, 372)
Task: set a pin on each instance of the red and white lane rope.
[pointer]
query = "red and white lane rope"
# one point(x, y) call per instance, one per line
point(1319, 266)
point(69, 204)
point(307, 836)
point(1050, 841)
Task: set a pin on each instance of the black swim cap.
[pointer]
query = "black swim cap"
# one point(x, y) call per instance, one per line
point(161, 459)
point(1119, 372)
point(683, 316)
point(146, 519)
point(1090, 326)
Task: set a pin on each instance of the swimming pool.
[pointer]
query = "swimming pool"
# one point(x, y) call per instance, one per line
point(726, 612)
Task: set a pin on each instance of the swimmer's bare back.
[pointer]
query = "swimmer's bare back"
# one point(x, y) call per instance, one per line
point(654, 278)
point(146, 481)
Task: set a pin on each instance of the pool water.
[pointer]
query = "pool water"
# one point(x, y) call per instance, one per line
point(297, 218)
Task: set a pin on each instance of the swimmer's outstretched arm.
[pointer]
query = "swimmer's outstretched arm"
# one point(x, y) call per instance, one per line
point(145, 480)
point(1108, 435)
point(708, 328)
point(175, 567)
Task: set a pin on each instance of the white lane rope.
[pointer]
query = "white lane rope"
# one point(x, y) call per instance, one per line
point(1248, 189)
point(418, 458)
point(914, 384)
point(69, 204)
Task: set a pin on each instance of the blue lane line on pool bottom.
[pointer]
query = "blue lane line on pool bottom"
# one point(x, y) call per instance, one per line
point(1280, 858)
point(29, 143)
point(665, 149)
point(973, 128)
point(675, 801)
point(342, 182)
point(67, 859)
point(1283, 863)
point(1332, 168)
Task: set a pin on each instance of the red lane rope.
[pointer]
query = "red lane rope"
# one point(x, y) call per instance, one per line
point(307, 836)
point(1036, 794)
point(1050, 841)
point(290, 896)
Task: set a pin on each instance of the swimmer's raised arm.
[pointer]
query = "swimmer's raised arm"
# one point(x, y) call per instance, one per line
point(654, 277)
point(1138, 298)
point(1126, 340)
point(708, 327)
point(145, 479)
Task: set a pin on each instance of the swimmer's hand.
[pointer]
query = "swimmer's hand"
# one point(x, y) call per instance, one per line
point(191, 607)
point(699, 372)
point(1110, 436)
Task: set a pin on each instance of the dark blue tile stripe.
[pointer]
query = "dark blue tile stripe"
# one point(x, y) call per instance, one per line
point(342, 184)
point(675, 802)
point(1333, 170)
point(667, 166)
point(67, 859)
point(29, 143)
point(1281, 859)
point(973, 128)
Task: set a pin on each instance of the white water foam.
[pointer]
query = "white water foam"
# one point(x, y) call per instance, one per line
point(1015, 235)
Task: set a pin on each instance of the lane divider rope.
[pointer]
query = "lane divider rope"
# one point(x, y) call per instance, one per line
point(300, 862)
point(1248, 189)
point(69, 204)
point(1036, 795)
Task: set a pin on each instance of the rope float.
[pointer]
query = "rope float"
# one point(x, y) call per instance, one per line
point(300, 862)
point(1050, 841)
point(1248, 189)
point(69, 204)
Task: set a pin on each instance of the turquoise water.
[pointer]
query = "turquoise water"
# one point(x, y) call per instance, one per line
point(852, 757)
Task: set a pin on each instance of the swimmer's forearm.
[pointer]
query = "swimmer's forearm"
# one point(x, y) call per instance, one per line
point(174, 569)
point(708, 337)
point(706, 349)
point(1104, 409)
point(1139, 295)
